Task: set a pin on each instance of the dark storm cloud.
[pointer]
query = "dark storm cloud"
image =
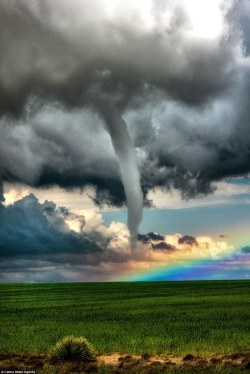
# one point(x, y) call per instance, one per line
point(163, 246)
point(188, 240)
point(56, 147)
point(184, 97)
point(29, 229)
point(150, 236)
point(91, 53)
point(158, 242)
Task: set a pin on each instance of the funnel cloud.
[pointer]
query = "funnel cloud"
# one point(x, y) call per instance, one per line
point(130, 175)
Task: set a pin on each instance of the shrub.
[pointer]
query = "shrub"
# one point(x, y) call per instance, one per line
point(71, 348)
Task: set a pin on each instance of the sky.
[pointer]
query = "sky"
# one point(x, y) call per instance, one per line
point(124, 140)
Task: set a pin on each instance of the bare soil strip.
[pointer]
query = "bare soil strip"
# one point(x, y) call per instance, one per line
point(124, 363)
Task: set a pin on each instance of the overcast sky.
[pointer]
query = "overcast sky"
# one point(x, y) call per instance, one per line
point(108, 106)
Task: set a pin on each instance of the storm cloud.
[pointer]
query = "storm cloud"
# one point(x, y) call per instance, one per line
point(29, 229)
point(183, 96)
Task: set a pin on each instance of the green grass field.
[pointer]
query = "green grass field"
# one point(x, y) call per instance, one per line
point(158, 317)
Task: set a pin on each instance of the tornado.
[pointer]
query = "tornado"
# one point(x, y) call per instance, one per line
point(129, 172)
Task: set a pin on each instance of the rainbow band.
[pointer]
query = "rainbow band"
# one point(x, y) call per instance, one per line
point(232, 265)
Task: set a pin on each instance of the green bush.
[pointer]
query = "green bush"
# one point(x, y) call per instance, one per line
point(71, 348)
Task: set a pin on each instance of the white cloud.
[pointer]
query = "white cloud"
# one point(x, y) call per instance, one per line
point(224, 193)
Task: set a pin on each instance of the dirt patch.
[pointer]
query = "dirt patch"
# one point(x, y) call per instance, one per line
point(212, 360)
point(117, 363)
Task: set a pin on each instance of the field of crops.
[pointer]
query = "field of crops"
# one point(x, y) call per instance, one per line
point(158, 317)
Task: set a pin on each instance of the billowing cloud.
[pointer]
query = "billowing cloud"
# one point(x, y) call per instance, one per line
point(32, 229)
point(181, 89)
point(106, 47)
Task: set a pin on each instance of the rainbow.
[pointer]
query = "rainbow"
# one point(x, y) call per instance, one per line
point(191, 266)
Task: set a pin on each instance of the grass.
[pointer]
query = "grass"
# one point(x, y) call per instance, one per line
point(159, 317)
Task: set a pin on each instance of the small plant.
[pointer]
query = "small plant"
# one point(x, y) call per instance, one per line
point(71, 348)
